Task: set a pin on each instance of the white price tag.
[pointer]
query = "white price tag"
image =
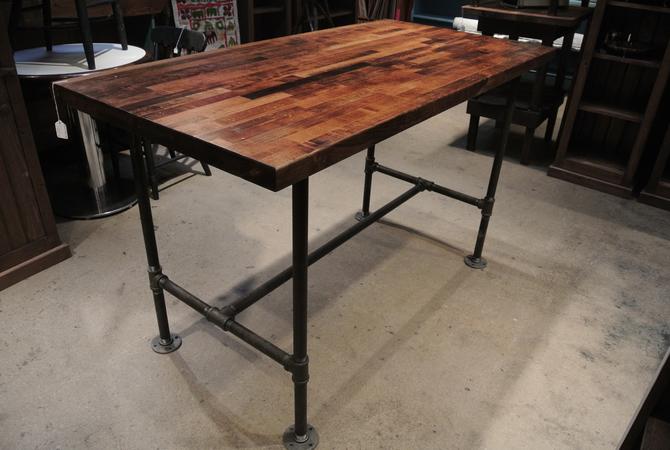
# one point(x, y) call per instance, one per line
point(61, 129)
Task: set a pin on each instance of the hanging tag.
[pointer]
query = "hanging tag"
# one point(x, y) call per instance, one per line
point(61, 129)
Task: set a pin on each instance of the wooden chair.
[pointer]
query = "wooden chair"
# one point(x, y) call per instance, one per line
point(534, 104)
point(170, 42)
point(49, 23)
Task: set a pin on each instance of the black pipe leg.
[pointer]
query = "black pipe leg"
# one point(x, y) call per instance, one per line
point(367, 186)
point(151, 168)
point(165, 342)
point(473, 130)
point(475, 260)
point(301, 435)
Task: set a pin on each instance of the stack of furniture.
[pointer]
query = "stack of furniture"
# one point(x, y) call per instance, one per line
point(29, 240)
point(536, 102)
point(617, 93)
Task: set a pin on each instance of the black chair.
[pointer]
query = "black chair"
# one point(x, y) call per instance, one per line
point(170, 42)
point(49, 23)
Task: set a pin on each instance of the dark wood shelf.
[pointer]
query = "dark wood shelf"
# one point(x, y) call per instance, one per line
point(649, 63)
point(639, 6)
point(594, 173)
point(268, 9)
point(611, 111)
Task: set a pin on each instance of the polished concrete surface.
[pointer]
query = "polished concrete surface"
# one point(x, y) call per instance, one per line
point(552, 346)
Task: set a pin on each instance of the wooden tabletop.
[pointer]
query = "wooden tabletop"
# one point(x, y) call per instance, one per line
point(568, 17)
point(277, 111)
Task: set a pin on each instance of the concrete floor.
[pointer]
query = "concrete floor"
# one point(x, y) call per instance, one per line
point(552, 346)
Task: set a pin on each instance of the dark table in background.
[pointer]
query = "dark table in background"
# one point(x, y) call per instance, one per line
point(536, 104)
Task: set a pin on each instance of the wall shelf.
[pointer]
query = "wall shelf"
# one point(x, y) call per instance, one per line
point(652, 64)
point(611, 111)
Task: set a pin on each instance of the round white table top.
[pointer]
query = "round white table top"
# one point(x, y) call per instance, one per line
point(69, 59)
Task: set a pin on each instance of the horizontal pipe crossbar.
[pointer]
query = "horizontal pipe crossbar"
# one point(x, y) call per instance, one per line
point(243, 303)
point(222, 319)
point(430, 186)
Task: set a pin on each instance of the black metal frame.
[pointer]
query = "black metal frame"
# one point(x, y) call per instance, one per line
point(301, 435)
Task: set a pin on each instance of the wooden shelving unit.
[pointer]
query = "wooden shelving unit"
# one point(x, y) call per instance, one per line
point(29, 239)
point(615, 99)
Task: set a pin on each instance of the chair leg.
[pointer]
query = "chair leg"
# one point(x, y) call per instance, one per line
point(472, 132)
point(172, 153)
point(87, 37)
point(151, 168)
point(205, 168)
point(527, 143)
point(551, 123)
point(46, 22)
point(120, 26)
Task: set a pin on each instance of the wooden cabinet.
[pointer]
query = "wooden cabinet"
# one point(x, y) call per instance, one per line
point(616, 97)
point(29, 241)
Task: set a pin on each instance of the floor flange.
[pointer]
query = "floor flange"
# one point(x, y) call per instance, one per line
point(159, 347)
point(290, 443)
point(475, 263)
point(360, 216)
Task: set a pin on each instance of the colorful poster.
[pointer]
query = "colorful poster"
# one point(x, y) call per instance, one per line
point(217, 19)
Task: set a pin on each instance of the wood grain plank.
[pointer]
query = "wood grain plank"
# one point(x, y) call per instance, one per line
point(277, 111)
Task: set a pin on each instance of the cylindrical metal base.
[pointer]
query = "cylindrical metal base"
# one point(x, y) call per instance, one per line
point(360, 215)
point(159, 346)
point(290, 442)
point(475, 263)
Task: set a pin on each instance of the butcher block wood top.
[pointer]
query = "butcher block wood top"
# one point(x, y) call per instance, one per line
point(277, 111)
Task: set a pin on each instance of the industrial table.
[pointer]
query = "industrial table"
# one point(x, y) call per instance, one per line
point(278, 111)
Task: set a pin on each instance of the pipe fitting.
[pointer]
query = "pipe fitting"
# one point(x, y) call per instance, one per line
point(155, 277)
point(425, 185)
point(299, 369)
point(487, 206)
point(218, 317)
